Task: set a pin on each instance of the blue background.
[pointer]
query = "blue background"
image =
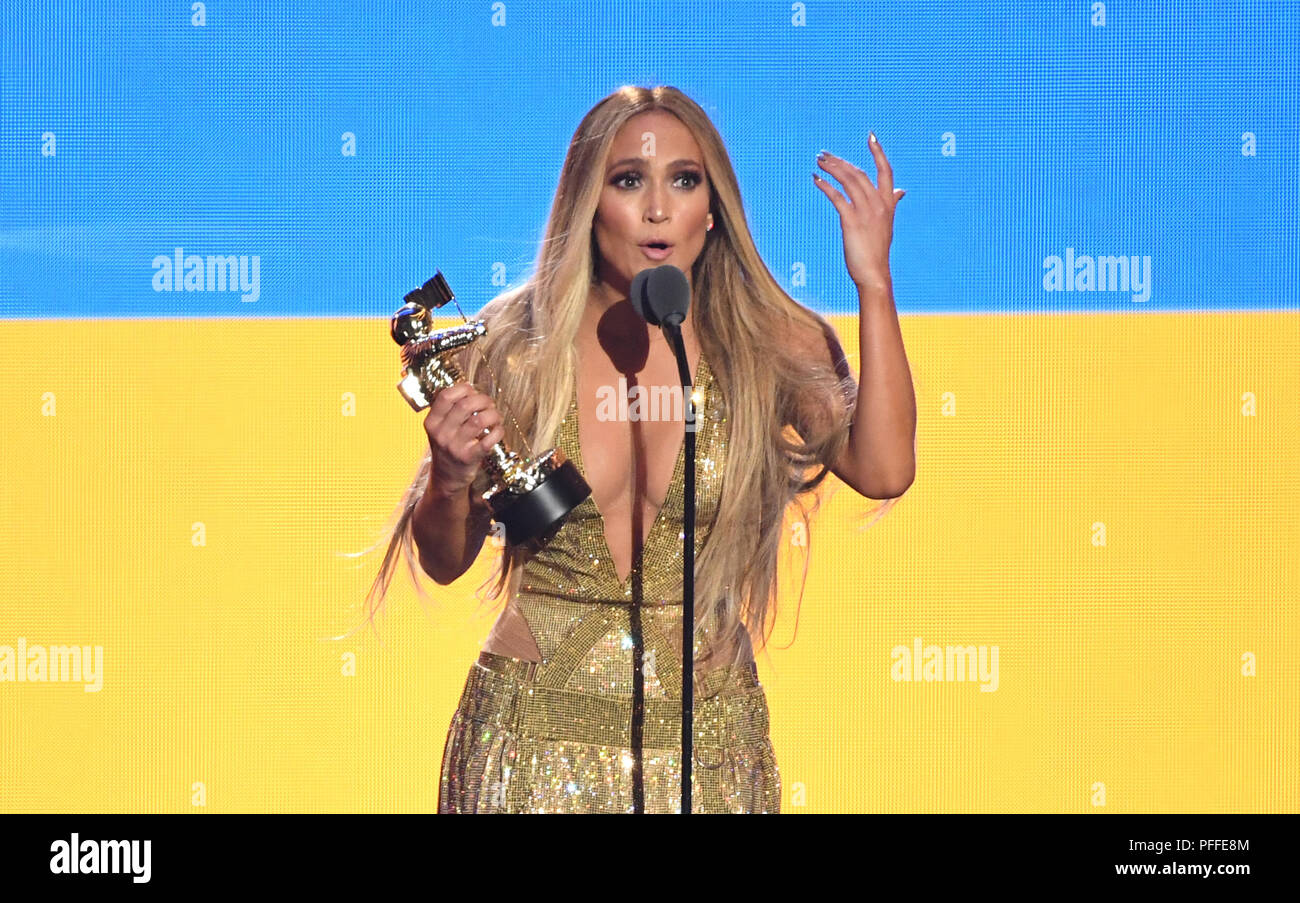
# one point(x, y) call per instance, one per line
point(225, 139)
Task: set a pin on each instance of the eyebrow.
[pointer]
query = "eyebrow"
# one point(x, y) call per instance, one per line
point(640, 160)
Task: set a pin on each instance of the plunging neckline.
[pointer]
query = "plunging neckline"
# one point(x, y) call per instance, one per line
point(679, 474)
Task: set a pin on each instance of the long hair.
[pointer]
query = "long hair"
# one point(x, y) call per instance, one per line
point(744, 321)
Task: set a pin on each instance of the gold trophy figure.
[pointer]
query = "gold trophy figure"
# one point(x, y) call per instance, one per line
point(530, 498)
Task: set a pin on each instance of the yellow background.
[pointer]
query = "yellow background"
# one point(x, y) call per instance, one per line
point(1120, 664)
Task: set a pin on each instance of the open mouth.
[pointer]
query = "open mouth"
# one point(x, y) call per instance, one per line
point(657, 245)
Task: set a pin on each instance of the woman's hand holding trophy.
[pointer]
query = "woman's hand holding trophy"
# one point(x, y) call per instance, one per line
point(530, 498)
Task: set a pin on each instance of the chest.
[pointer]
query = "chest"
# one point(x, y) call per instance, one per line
point(630, 428)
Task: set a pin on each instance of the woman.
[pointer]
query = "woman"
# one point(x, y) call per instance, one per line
point(592, 622)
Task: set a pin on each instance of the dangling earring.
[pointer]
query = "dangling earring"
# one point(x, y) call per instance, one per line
point(710, 226)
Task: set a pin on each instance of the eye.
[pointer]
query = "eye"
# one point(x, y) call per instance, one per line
point(693, 178)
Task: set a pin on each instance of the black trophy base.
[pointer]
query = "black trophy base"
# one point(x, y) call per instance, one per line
point(537, 516)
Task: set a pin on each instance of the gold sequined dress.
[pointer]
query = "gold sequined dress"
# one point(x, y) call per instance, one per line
point(558, 735)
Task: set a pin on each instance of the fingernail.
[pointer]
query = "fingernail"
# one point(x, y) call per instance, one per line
point(871, 136)
point(816, 178)
point(821, 155)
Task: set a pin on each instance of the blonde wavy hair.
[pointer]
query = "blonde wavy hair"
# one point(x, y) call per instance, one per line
point(744, 322)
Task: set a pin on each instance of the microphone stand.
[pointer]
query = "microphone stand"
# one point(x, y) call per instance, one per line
point(672, 325)
point(662, 296)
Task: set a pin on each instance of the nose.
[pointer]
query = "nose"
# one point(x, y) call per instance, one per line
point(654, 211)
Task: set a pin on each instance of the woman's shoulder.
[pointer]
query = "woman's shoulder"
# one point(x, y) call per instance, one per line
point(499, 315)
point(817, 345)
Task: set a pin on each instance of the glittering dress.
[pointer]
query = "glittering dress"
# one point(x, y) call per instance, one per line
point(558, 735)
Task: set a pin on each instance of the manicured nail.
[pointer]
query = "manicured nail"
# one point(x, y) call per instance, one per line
point(871, 136)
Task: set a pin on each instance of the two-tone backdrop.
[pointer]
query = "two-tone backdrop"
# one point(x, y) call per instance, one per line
point(1096, 270)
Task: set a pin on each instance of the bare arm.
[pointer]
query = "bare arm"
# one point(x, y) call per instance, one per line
point(451, 519)
point(878, 462)
point(449, 531)
point(881, 458)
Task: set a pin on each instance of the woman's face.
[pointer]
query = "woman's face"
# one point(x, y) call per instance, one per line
point(655, 190)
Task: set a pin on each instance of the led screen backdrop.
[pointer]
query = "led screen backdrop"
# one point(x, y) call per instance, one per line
point(1095, 268)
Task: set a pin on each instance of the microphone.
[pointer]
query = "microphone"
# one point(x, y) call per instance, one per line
point(661, 295)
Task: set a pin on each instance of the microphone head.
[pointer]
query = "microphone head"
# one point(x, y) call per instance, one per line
point(661, 295)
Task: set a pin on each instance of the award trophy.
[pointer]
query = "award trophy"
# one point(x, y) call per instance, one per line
point(530, 497)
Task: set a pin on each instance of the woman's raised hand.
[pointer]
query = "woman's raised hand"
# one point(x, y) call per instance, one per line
point(866, 215)
point(462, 424)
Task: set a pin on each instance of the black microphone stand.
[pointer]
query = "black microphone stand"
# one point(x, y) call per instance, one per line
point(672, 325)
point(662, 296)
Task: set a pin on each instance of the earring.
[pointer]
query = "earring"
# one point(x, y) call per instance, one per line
point(710, 226)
